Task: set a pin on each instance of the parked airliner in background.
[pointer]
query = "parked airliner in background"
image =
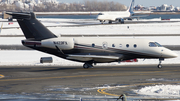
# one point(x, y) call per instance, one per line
point(117, 15)
point(87, 49)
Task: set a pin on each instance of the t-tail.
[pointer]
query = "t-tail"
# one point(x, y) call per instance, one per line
point(131, 7)
point(31, 27)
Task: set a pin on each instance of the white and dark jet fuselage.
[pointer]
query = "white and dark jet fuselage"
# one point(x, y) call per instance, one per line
point(101, 50)
point(88, 50)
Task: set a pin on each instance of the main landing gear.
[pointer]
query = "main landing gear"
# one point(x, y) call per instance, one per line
point(110, 22)
point(160, 61)
point(102, 21)
point(121, 21)
point(87, 65)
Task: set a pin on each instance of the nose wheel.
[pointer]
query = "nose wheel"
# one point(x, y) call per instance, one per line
point(87, 65)
point(159, 66)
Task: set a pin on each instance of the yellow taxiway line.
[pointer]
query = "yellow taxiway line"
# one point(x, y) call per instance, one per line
point(1, 76)
point(102, 91)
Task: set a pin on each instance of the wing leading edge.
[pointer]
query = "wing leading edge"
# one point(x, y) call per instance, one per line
point(98, 58)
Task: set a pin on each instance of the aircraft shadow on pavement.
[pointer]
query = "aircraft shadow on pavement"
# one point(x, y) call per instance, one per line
point(44, 69)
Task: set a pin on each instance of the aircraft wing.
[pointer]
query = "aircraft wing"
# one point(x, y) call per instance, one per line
point(94, 57)
point(131, 17)
point(138, 16)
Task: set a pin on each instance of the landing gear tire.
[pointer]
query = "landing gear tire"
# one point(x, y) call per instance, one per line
point(159, 66)
point(121, 21)
point(160, 61)
point(87, 65)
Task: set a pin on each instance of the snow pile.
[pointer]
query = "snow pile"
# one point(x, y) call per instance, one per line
point(165, 91)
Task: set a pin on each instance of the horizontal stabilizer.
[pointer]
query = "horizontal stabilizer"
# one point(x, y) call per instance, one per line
point(17, 15)
point(31, 27)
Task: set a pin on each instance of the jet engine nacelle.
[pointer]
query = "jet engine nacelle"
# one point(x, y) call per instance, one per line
point(60, 43)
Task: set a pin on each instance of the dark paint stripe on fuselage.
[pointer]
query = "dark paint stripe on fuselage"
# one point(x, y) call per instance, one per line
point(80, 49)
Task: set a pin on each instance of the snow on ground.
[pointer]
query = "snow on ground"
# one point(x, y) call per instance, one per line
point(162, 91)
point(11, 40)
point(24, 57)
point(18, 57)
point(148, 28)
point(145, 28)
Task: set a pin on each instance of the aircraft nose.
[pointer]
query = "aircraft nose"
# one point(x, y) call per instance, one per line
point(174, 55)
point(98, 17)
point(166, 53)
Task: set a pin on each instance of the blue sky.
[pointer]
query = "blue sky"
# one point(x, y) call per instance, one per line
point(146, 3)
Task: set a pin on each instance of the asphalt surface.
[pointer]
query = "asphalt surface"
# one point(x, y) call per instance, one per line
point(78, 81)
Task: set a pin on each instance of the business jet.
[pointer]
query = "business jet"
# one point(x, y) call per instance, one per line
point(117, 16)
point(88, 50)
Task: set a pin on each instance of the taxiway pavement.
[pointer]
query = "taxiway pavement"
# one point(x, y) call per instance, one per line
point(78, 81)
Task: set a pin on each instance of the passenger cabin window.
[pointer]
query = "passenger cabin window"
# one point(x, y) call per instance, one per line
point(135, 45)
point(93, 45)
point(113, 45)
point(152, 44)
point(120, 45)
point(127, 45)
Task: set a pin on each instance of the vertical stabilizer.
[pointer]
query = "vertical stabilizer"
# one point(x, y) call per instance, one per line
point(131, 7)
point(31, 27)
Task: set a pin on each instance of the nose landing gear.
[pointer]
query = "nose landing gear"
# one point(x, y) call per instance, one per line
point(160, 61)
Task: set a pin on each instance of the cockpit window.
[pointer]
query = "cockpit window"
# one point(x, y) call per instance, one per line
point(100, 14)
point(152, 44)
point(158, 44)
